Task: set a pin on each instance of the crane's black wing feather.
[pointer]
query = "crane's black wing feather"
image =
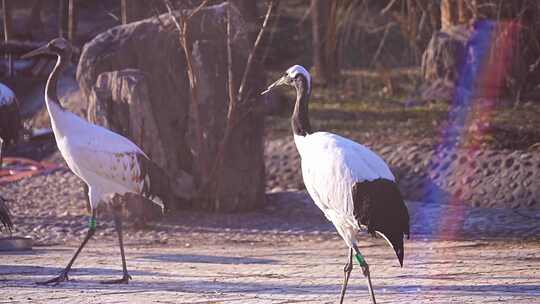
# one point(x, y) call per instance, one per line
point(378, 205)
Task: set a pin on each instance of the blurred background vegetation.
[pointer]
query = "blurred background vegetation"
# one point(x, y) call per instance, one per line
point(366, 57)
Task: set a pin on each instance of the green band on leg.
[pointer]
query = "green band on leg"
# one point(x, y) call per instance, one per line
point(92, 223)
point(360, 259)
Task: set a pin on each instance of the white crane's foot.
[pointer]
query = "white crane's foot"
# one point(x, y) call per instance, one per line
point(62, 277)
point(124, 280)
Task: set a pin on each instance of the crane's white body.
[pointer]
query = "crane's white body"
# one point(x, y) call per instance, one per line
point(6, 95)
point(104, 160)
point(331, 165)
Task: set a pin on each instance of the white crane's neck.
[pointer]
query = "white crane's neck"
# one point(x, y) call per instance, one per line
point(300, 118)
point(57, 113)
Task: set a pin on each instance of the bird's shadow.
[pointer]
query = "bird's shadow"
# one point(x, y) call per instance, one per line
point(207, 259)
point(30, 270)
point(206, 284)
point(469, 290)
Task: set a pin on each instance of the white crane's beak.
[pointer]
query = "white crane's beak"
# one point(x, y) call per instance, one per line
point(279, 82)
point(42, 50)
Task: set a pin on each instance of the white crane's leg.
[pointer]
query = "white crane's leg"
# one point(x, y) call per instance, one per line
point(347, 272)
point(118, 225)
point(365, 270)
point(63, 276)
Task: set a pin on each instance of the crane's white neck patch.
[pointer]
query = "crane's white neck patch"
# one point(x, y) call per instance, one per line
point(298, 69)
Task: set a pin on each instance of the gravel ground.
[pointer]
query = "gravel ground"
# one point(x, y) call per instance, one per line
point(285, 253)
point(306, 271)
point(480, 178)
point(51, 209)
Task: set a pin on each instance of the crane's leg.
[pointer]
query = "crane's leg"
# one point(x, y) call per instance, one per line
point(63, 276)
point(347, 271)
point(125, 279)
point(365, 270)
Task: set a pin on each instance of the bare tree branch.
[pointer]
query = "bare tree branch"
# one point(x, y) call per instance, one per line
point(197, 9)
point(182, 26)
point(388, 7)
point(234, 98)
point(232, 90)
point(273, 4)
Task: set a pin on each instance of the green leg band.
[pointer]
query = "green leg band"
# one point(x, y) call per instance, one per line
point(360, 259)
point(92, 223)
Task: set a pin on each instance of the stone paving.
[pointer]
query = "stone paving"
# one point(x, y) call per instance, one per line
point(284, 253)
point(308, 271)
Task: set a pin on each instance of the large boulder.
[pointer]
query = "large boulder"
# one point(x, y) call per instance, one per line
point(135, 79)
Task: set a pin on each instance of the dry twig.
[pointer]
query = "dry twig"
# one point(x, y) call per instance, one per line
point(235, 97)
point(273, 4)
point(182, 26)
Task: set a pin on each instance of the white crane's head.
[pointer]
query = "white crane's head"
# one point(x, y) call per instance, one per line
point(290, 77)
point(57, 46)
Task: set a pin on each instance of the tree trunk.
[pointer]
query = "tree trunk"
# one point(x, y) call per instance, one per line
point(34, 20)
point(63, 18)
point(324, 27)
point(231, 184)
point(514, 42)
point(72, 20)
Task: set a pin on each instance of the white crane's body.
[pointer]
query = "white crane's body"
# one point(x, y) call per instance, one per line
point(331, 165)
point(107, 162)
point(7, 96)
point(352, 185)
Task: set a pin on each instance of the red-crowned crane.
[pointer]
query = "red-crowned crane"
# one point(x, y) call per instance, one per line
point(107, 162)
point(352, 185)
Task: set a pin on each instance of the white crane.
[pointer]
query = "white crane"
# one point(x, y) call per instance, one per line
point(107, 162)
point(352, 185)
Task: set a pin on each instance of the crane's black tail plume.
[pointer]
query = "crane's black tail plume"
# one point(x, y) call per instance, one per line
point(156, 183)
point(378, 205)
point(5, 216)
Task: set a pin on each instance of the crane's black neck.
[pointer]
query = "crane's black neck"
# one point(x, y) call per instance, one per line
point(300, 118)
point(50, 89)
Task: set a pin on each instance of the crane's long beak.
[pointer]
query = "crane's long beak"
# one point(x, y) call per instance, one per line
point(279, 82)
point(42, 50)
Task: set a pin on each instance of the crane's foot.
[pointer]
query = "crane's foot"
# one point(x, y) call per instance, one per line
point(62, 277)
point(124, 280)
point(347, 271)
